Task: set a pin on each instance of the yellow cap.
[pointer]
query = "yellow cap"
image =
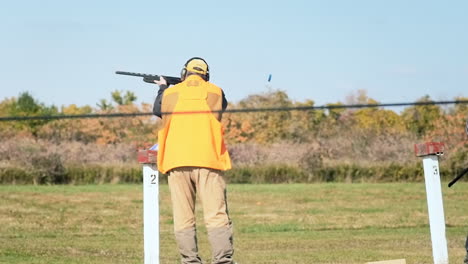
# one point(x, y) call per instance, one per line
point(197, 66)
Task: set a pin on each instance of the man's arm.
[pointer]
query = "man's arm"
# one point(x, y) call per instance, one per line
point(158, 101)
point(225, 103)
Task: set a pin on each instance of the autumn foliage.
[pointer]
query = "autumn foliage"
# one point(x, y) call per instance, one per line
point(308, 141)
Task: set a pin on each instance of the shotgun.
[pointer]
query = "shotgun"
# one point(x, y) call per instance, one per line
point(150, 78)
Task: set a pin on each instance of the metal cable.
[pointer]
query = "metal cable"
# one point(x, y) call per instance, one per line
point(242, 110)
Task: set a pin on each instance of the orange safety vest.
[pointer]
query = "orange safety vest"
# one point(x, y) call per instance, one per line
point(190, 139)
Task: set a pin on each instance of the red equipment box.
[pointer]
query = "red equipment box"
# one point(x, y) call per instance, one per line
point(147, 156)
point(429, 148)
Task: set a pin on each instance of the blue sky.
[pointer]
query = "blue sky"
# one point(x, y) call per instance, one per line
point(66, 52)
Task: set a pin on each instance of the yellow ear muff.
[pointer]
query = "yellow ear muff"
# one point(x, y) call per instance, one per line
point(183, 72)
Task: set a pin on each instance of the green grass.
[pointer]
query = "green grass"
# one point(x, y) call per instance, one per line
point(284, 223)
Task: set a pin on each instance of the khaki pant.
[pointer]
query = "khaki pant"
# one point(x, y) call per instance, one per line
point(185, 183)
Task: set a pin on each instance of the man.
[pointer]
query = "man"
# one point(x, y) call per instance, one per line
point(466, 247)
point(466, 243)
point(193, 153)
point(465, 261)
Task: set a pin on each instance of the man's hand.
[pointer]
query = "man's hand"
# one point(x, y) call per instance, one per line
point(161, 81)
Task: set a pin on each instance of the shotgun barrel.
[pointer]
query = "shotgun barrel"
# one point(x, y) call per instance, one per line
point(150, 78)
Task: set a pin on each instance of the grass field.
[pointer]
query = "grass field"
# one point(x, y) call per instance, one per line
point(296, 223)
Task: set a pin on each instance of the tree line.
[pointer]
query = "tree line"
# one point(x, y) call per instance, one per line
point(423, 121)
point(313, 144)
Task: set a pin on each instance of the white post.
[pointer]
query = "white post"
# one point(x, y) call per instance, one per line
point(434, 200)
point(151, 213)
point(150, 204)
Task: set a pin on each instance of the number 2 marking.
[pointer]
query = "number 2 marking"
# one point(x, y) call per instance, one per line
point(153, 178)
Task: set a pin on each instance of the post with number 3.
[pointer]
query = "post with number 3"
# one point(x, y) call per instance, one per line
point(429, 152)
point(150, 204)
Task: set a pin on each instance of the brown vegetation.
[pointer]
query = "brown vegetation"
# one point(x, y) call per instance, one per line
point(297, 146)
